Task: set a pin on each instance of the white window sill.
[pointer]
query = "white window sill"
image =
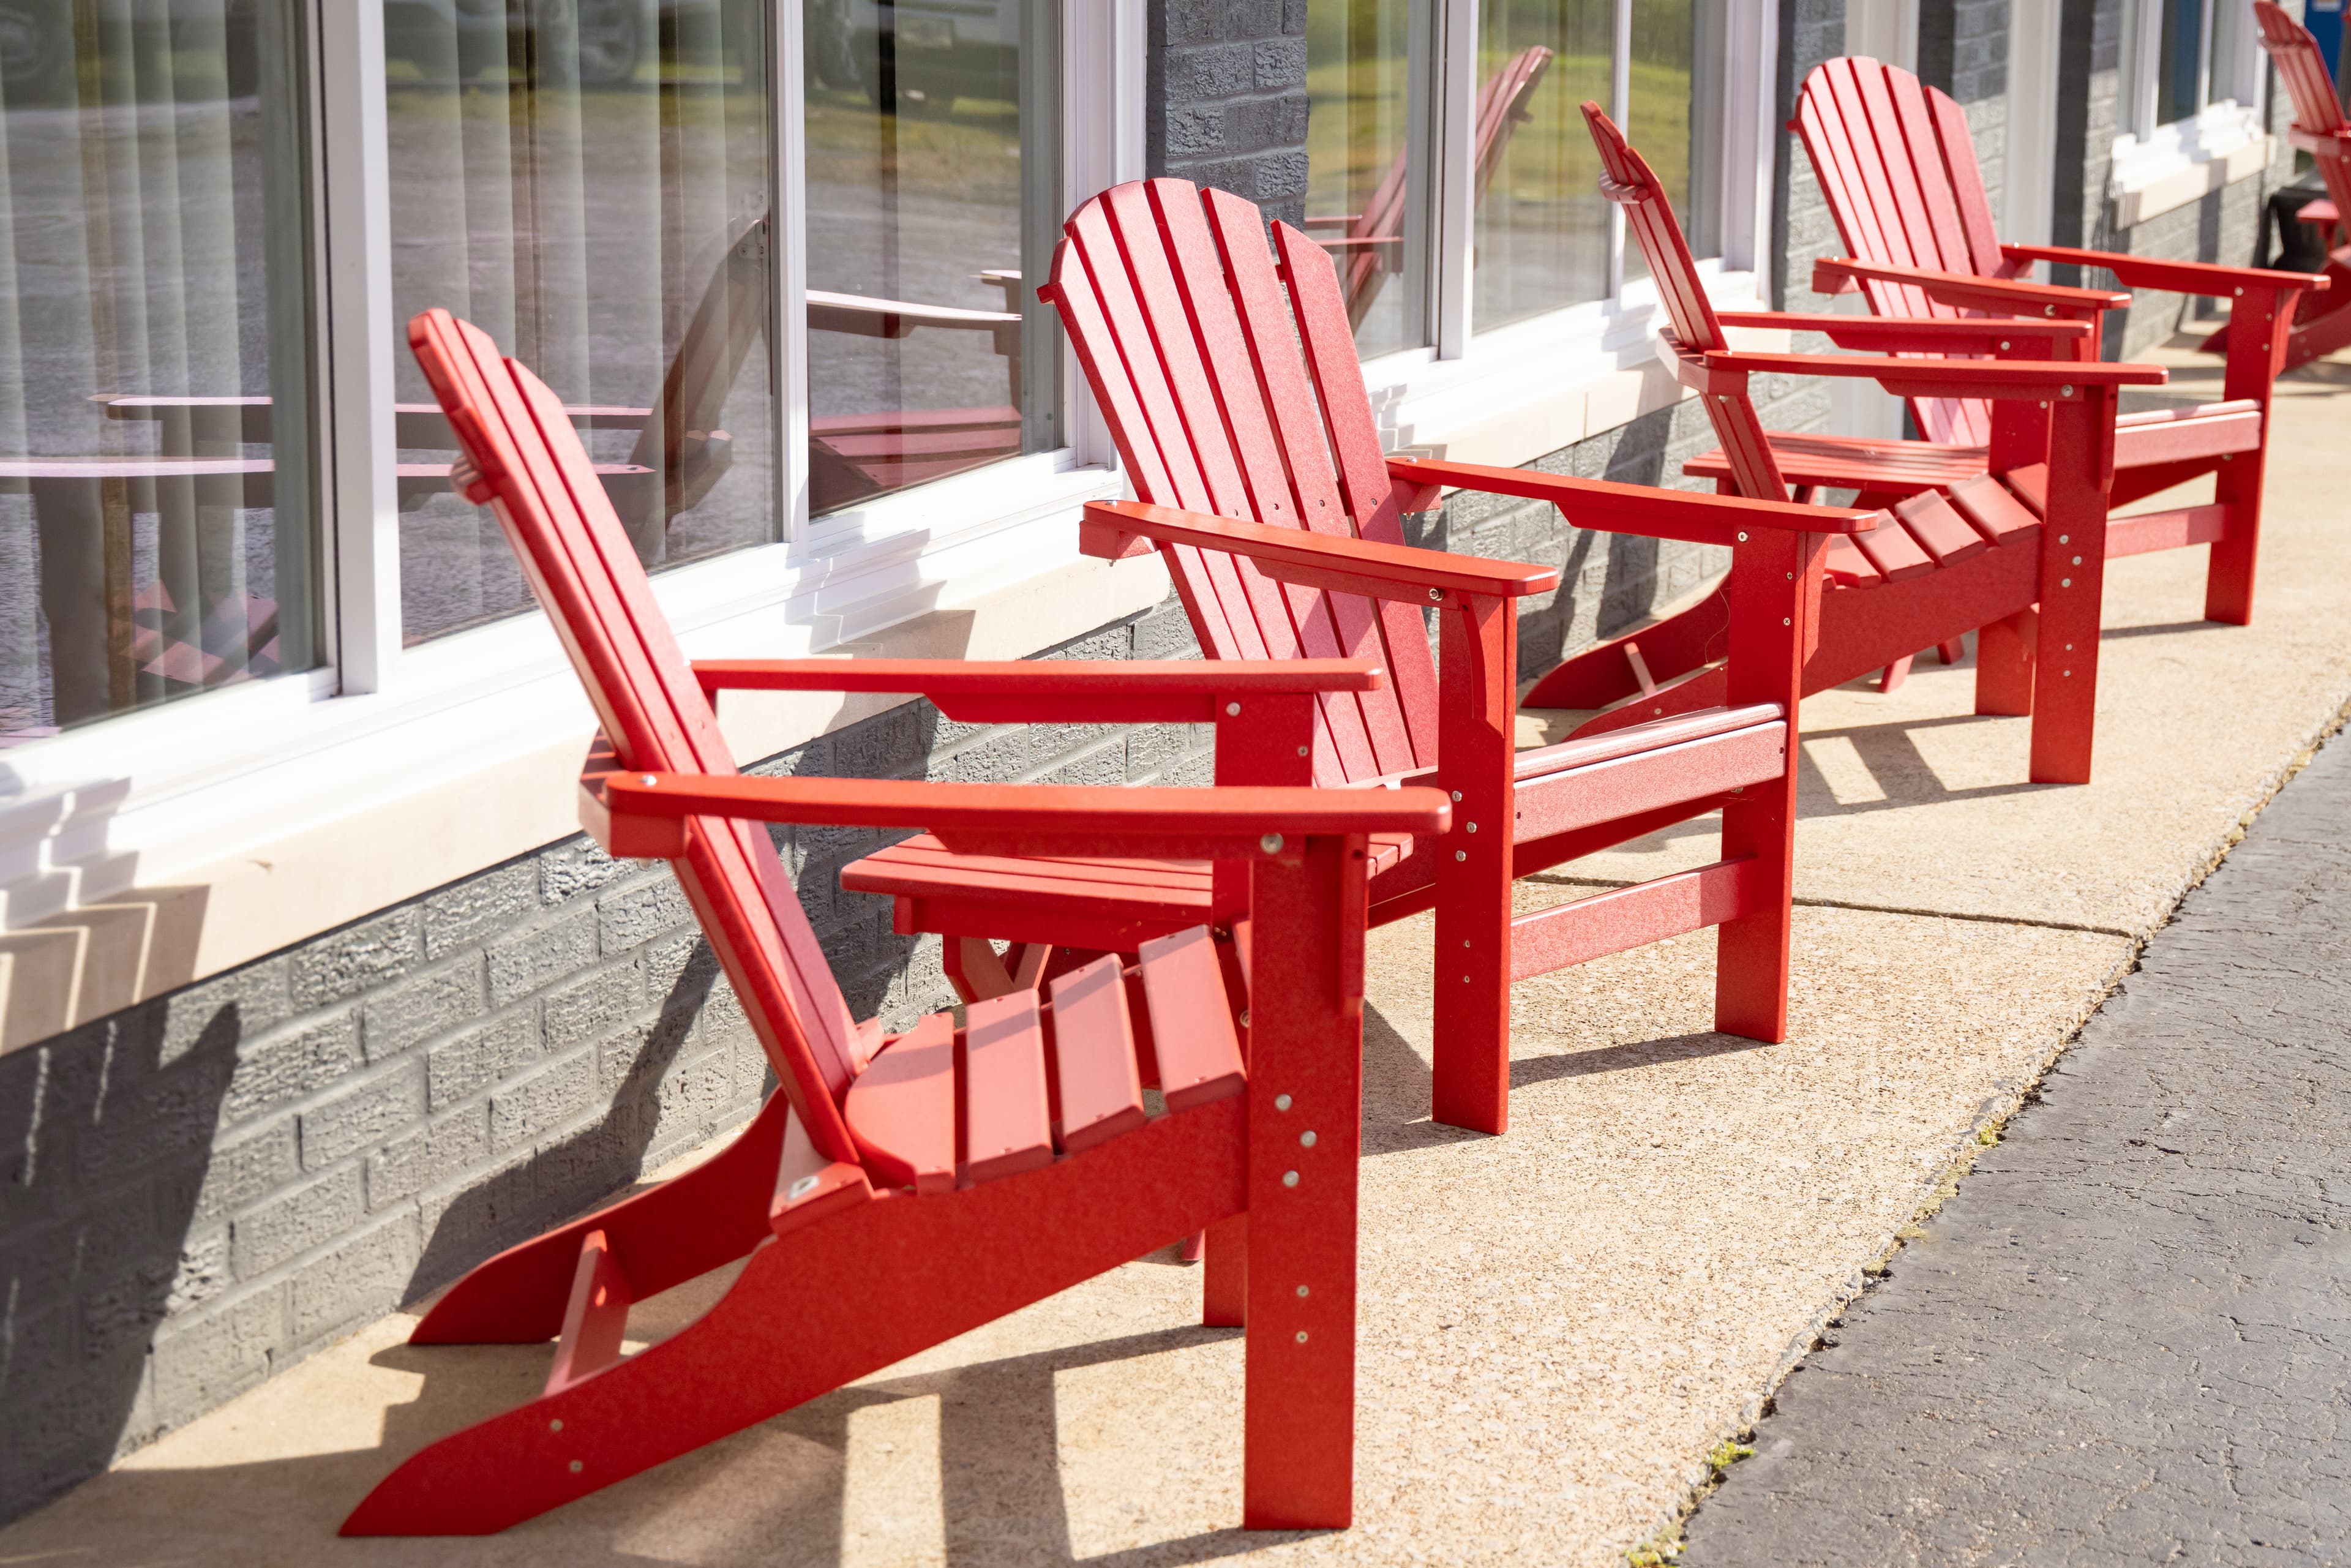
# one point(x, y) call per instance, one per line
point(159, 848)
point(1526, 390)
point(2185, 162)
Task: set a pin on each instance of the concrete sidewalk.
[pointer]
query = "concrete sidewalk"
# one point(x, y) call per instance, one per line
point(2127, 1338)
point(1557, 1325)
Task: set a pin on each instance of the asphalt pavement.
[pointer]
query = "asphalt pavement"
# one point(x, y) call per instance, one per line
point(2126, 1339)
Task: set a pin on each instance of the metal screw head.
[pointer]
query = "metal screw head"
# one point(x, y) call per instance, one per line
point(2077, 560)
point(1271, 843)
point(1457, 794)
point(2064, 582)
point(2240, 294)
point(1787, 621)
point(1245, 1021)
point(1436, 593)
point(1461, 854)
point(577, 1467)
point(2065, 390)
point(1742, 536)
point(1471, 826)
point(1301, 1337)
point(646, 780)
point(1302, 1292)
point(2004, 343)
point(1301, 751)
point(556, 1425)
point(1232, 710)
point(2069, 673)
point(2064, 538)
point(2049, 310)
point(1306, 1139)
point(1281, 1101)
point(1289, 1178)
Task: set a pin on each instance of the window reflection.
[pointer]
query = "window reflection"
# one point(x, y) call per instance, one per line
point(932, 197)
point(588, 182)
point(1674, 113)
point(1541, 229)
point(156, 525)
point(1359, 186)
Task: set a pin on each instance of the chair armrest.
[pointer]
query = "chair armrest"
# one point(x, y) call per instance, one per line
point(1617, 509)
point(1064, 691)
point(2008, 297)
point(1904, 334)
point(1114, 528)
point(642, 814)
point(2171, 277)
point(1723, 371)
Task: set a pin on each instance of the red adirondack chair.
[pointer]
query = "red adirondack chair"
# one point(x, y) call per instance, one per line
point(1896, 162)
point(1982, 551)
point(1370, 244)
point(898, 1191)
point(1263, 485)
point(2321, 129)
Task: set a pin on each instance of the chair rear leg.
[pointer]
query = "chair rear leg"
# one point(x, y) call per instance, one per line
point(2004, 665)
point(1224, 1284)
point(687, 1226)
point(1891, 677)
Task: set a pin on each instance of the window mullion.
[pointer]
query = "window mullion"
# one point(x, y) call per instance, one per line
point(1620, 89)
point(361, 495)
point(788, 274)
point(1451, 32)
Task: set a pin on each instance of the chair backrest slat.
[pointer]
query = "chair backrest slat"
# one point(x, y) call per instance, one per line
point(2303, 69)
point(1187, 363)
point(585, 574)
point(1896, 162)
point(1633, 186)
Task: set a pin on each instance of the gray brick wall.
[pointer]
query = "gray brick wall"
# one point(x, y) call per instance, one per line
point(1226, 93)
point(1803, 231)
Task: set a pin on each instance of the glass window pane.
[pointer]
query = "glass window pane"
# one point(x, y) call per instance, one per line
point(1675, 114)
point(156, 524)
point(1542, 228)
point(2182, 57)
point(1360, 196)
point(588, 180)
point(933, 199)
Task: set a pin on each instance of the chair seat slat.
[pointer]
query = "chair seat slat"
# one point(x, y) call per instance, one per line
point(1101, 1091)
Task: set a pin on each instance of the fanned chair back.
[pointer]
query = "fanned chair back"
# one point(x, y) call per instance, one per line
point(526, 464)
point(1378, 229)
point(2303, 67)
point(1899, 167)
point(1224, 399)
point(1627, 178)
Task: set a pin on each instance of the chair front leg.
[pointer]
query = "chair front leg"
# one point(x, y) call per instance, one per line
point(1775, 605)
point(1477, 668)
point(2072, 583)
point(1306, 1132)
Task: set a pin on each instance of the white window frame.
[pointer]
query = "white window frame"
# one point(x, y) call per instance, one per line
point(2158, 167)
point(383, 745)
point(1500, 396)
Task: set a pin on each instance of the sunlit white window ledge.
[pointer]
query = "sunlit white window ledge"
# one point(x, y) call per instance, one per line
point(1526, 390)
point(162, 847)
point(2184, 162)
